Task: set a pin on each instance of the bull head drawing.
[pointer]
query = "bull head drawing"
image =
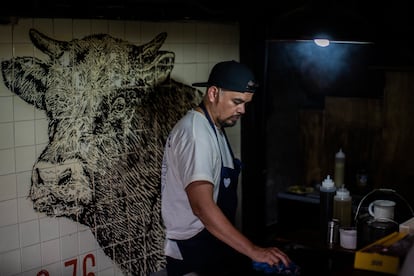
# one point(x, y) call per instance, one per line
point(110, 105)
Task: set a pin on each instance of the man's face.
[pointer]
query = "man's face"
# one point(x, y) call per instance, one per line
point(230, 106)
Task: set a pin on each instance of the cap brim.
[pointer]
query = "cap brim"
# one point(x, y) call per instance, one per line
point(201, 84)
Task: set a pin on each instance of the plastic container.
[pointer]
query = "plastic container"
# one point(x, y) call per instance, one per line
point(339, 173)
point(348, 237)
point(326, 197)
point(342, 207)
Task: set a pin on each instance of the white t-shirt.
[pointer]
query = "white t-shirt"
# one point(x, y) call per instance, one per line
point(192, 152)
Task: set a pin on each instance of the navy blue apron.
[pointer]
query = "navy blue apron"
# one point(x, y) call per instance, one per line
point(204, 253)
point(227, 195)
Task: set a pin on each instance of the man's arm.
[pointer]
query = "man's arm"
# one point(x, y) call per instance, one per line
point(200, 194)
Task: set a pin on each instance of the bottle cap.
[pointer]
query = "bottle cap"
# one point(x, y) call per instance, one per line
point(342, 193)
point(328, 183)
point(340, 154)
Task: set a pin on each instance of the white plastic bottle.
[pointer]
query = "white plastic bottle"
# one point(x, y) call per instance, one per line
point(342, 207)
point(339, 173)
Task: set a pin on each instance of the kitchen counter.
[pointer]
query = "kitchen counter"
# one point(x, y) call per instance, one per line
point(298, 234)
point(306, 249)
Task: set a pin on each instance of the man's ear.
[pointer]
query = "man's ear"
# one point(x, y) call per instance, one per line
point(212, 93)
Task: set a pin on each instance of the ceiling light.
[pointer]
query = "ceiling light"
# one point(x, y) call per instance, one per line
point(321, 42)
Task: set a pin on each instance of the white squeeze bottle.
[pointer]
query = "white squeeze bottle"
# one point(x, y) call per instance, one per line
point(339, 173)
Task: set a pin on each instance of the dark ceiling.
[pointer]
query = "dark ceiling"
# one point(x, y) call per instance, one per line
point(118, 9)
point(390, 15)
point(379, 21)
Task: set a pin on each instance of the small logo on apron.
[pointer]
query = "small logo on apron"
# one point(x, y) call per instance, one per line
point(226, 182)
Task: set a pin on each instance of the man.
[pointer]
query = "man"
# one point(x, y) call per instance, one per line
point(199, 183)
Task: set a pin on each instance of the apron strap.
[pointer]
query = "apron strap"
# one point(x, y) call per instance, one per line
point(203, 107)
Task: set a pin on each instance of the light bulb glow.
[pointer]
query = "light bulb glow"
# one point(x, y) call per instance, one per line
point(321, 42)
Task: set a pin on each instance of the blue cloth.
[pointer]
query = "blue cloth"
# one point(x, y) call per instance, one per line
point(280, 269)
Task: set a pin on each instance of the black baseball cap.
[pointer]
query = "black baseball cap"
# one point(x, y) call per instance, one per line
point(230, 75)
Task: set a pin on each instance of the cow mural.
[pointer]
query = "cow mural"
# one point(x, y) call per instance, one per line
point(110, 106)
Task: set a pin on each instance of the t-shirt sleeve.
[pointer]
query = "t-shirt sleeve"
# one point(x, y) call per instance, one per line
point(196, 152)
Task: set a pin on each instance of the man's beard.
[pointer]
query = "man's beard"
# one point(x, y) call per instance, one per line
point(228, 123)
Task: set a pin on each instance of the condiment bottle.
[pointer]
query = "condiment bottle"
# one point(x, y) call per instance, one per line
point(342, 208)
point(339, 174)
point(326, 196)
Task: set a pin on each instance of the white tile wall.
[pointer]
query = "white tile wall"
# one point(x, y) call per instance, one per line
point(6, 135)
point(202, 33)
point(31, 257)
point(39, 148)
point(69, 246)
point(22, 110)
point(67, 227)
point(30, 272)
point(50, 252)
point(7, 161)
point(9, 238)
point(99, 26)
point(62, 29)
point(52, 269)
point(81, 28)
point(116, 29)
point(178, 51)
point(25, 157)
point(86, 242)
point(6, 51)
point(202, 70)
point(49, 228)
point(45, 24)
point(8, 212)
point(103, 262)
point(133, 33)
point(149, 30)
point(29, 233)
point(189, 53)
point(189, 31)
point(6, 109)
point(107, 272)
point(185, 73)
point(31, 241)
point(10, 263)
point(20, 34)
point(25, 210)
point(24, 133)
point(23, 183)
point(40, 114)
point(6, 34)
point(40, 130)
point(8, 183)
point(201, 53)
point(174, 31)
point(23, 49)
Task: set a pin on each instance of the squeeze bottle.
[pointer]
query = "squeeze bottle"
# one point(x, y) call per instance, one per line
point(342, 208)
point(339, 173)
point(326, 197)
